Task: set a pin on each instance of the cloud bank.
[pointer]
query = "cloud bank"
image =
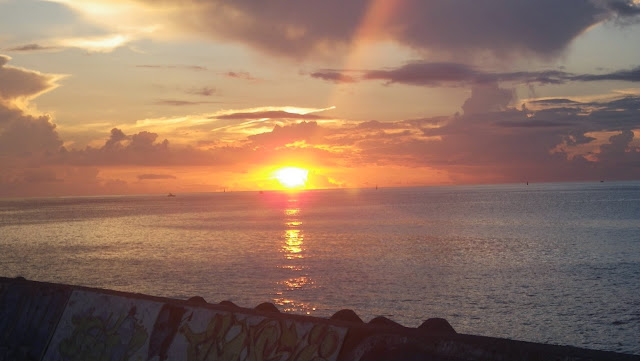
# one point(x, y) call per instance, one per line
point(542, 28)
point(435, 74)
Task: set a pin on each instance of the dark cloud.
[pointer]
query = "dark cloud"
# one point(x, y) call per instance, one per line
point(535, 124)
point(144, 141)
point(543, 27)
point(17, 82)
point(540, 77)
point(553, 101)
point(240, 75)
point(610, 116)
point(457, 74)
point(498, 143)
point(31, 47)
point(122, 149)
point(144, 149)
point(274, 114)
point(204, 91)
point(617, 115)
point(26, 135)
point(621, 156)
point(629, 102)
point(624, 8)
point(375, 124)
point(488, 98)
point(180, 103)
point(27, 142)
point(618, 144)
point(576, 138)
point(22, 134)
point(115, 139)
point(501, 27)
point(155, 176)
point(427, 74)
point(632, 75)
point(179, 67)
point(334, 76)
point(429, 122)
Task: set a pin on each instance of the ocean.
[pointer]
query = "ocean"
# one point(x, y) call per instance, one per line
point(554, 263)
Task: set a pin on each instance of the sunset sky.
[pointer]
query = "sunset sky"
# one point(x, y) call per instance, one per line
point(157, 96)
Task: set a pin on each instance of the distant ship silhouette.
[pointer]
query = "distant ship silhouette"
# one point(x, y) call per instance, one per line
point(171, 195)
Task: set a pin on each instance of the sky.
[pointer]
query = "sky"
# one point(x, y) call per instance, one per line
point(102, 97)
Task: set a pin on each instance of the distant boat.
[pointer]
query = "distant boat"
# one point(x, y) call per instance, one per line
point(171, 195)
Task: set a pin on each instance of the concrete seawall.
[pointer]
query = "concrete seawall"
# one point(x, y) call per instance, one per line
point(46, 321)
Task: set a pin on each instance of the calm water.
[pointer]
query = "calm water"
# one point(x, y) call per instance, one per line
point(555, 263)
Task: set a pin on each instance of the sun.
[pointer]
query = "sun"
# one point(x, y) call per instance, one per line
point(292, 177)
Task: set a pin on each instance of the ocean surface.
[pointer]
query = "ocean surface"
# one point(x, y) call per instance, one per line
point(555, 263)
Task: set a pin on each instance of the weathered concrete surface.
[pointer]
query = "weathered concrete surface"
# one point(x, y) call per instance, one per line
point(29, 313)
point(45, 321)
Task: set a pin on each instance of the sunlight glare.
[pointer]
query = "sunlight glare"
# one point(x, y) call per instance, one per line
point(292, 177)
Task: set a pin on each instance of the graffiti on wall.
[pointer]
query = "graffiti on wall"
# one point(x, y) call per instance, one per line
point(211, 335)
point(106, 327)
point(164, 331)
point(103, 327)
point(28, 315)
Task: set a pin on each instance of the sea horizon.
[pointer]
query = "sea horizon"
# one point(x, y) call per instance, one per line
point(355, 188)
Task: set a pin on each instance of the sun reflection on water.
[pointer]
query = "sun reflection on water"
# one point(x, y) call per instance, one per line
point(293, 244)
point(292, 212)
point(294, 254)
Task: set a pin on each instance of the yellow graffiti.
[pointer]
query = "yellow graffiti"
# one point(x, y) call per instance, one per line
point(227, 338)
point(97, 339)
